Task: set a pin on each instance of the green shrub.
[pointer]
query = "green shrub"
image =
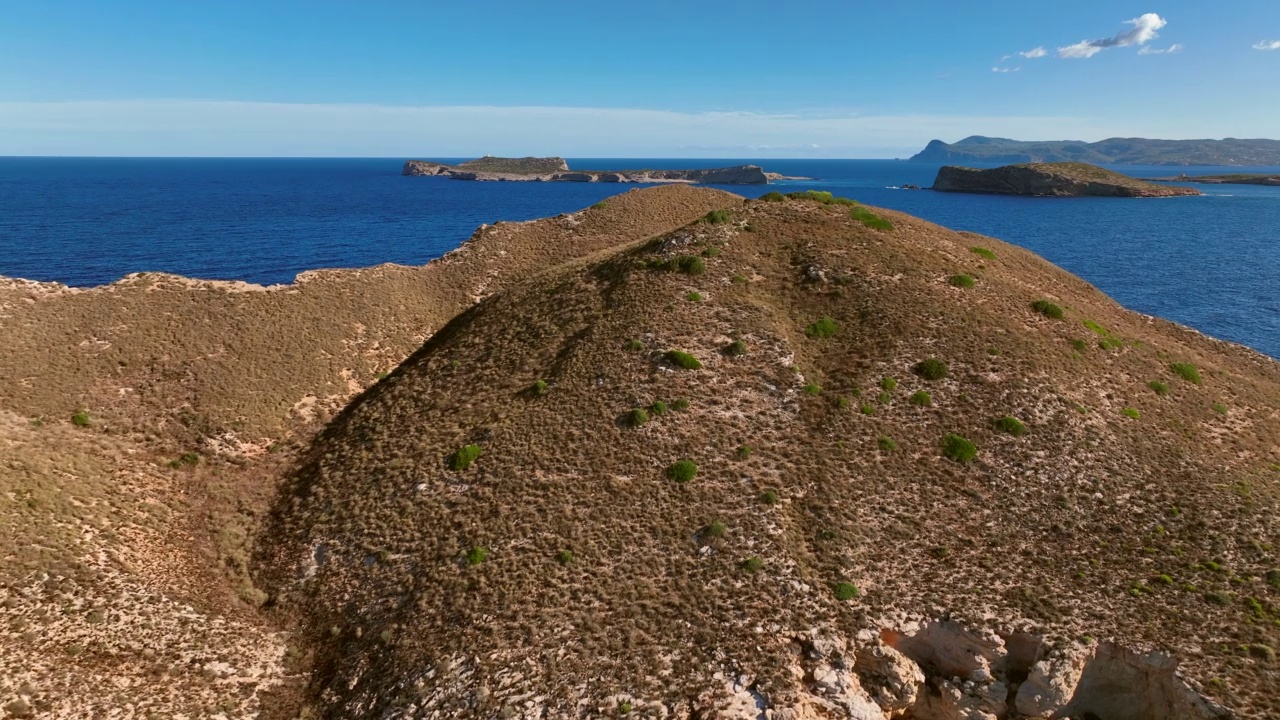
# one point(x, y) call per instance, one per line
point(737, 348)
point(887, 444)
point(1217, 597)
point(600, 205)
point(711, 252)
point(743, 452)
point(80, 419)
point(885, 397)
point(682, 470)
point(1079, 344)
point(383, 375)
point(983, 252)
point(538, 387)
point(690, 264)
point(658, 408)
point(1187, 372)
point(870, 219)
point(846, 591)
point(888, 384)
point(1095, 327)
point(637, 417)
point(634, 345)
point(1273, 578)
point(189, 459)
point(769, 497)
point(921, 399)
point(812, 389)
point(842, 402)
point(1134, 413)
point(1011, 425)
point(773, 196)
point(867, 409)
point(821, 196)
point(477, 555)
point(753, 565)
point(961, 281)
point(738, 280)
point(682, 359)
point(464, 457)
point(931, 369)
point(565, 557)
point(958, 448)
point(1220, 408)
point(1047, 309)
point(680, 404)
point(715, 529)
point(718, 217)
point(1159, 387)
point(625, 707)
point(693, 297)
point(824, 328)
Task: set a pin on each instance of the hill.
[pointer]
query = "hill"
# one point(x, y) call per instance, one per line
point(1115, 151)
point(801, 459)
point(557, 170)
point(145, 425)
point(1051, 179)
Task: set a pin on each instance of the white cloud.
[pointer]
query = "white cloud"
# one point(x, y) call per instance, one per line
point(1172, 49)
point(1005, 69)
point(1034, 53)
point(1145, 29)
point(1267, 45)
point(252, 129)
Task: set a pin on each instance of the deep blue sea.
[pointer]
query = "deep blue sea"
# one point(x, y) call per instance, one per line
point(1211, 262)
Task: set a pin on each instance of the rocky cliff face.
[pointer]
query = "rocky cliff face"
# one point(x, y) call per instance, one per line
point(557, 170)
point(1051, 179)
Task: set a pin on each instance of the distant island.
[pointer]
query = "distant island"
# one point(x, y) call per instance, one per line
point(555, 169)
point(1069, 179)
point(1116, 151)
point(1240, 179)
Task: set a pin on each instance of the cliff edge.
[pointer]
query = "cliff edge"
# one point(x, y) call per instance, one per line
point(1051, 180)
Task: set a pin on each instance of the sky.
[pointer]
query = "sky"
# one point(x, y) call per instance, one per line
point(659, 78)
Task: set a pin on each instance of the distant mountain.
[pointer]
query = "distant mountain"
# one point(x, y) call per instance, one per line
point(1116, 151)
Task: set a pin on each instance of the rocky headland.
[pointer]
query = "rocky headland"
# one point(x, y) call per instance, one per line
point(1112, 151)
point(555, 169)
point(677, 455)
point(1238, 179)
point(1067, 179)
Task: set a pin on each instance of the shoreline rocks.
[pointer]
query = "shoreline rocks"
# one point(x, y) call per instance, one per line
point(557, 170)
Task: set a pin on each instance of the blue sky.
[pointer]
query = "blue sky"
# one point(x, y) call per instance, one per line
point(624, 79)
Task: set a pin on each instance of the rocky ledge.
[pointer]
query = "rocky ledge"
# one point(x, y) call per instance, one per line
point(1051, 179)
point(557, 170)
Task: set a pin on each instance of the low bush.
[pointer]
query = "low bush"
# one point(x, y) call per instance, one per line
point(565, 557)
point(716, 529)
point(888, 384)
point(680, 404)
point(983, 252)
point(462, 459)
point(1134, 413)
point(743, 452)
point(773, 196)
point(821, 196)
point(658, 408)
point(958, 448)
point(961, 281)
point(600, 205)
point(1187, 372)
point(1158, 387)
point(477, 555)
point(921, 399)
point(538, 387)
point(885, 397)
point(812, 389)
point(80, 419)
point(870, 219)
point(682, 470)
point(1220, 408)
point(931, 369)
point(887, 444)
point(753, 564)
point(846, 591)
point(682, 359)
point(718, 217)
point(737, 348)
point(1079, 345)
point(690, 264)
point(634, 345)
point(824, 328)
point(769, 497)
point(1047, 309)
point(738, 280)
point(693, 297)
point(1011, 425)
point(637, 417)
point(867, 409)
point(711, 252)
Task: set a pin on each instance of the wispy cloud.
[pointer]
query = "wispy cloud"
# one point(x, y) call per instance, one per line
point(1171, 50)
point(1267, 45)
point(248, 129)
point(1005, 69)
point(1034, 53)
point(1145, 29)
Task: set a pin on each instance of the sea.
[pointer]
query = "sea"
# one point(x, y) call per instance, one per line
point(1210, 262)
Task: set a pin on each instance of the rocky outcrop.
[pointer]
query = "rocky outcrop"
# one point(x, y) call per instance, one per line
point(1269, 180)
point(1051, 180)
point(557, 170)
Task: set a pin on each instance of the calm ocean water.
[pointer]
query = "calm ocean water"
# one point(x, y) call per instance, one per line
point(1211, 262)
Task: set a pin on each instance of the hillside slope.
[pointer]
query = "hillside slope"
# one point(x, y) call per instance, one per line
point(1063, 179)
point(928, 475)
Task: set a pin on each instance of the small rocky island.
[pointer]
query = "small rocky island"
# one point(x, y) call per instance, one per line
point(1066, 179)
point(554, 169)
point(1237, 179)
